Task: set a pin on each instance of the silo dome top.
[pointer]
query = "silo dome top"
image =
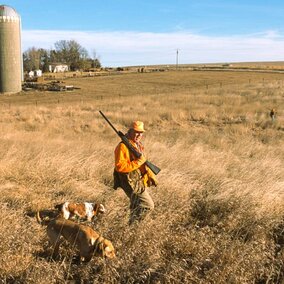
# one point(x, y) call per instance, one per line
point(8, 12)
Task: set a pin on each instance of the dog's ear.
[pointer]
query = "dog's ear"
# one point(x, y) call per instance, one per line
point(95, 207)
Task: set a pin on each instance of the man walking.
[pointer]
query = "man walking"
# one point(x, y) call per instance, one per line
point(132, 175)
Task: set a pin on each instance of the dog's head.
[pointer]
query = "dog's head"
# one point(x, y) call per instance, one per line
point(104, 248)
point(45, 216)
point(109, 249)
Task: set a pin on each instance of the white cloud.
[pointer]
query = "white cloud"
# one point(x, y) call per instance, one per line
point(140, 48)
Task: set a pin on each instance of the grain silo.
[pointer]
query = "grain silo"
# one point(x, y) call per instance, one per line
point(10, 51)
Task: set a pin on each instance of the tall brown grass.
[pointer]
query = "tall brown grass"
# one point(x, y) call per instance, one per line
point(219, 204)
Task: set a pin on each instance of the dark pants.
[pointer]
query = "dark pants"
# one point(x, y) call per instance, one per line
point(140, 200)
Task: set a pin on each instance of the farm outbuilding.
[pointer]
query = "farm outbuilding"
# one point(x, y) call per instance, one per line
point(55, 68)
point(38, 73)
point(31, 74)
point(35, 73)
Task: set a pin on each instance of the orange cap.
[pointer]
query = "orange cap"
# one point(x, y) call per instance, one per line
point(138, 126)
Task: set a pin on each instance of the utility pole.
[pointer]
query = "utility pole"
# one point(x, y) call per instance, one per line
point(177, 60)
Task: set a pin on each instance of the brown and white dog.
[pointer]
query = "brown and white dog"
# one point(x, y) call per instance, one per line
point(87, 241)
point(83, 210)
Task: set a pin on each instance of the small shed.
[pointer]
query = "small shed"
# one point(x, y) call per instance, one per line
point(38, 73)
point(31, 74)
point(55, 68)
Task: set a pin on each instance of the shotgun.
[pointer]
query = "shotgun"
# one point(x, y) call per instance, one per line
point(130, 147)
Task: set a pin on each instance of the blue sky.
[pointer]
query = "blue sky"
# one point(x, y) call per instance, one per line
point(144, 32)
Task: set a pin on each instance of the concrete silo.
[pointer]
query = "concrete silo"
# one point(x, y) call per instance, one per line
point(10, 51)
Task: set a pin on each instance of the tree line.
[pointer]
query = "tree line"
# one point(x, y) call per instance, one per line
point(67, 52)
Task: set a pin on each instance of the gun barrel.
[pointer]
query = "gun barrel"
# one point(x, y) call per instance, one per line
point(109, 122)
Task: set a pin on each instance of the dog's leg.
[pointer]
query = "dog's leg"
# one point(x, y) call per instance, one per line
point(55, 242)
point(66, 214)
point(55, 251)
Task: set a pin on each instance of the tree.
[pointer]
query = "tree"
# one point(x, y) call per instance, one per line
point(44, 59)
point(67, 52)
point(34, 59)
point(96, 62)
point(72, 53)
point(31, 59)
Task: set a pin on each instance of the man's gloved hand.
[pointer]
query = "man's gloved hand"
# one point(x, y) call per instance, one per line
point(141, 160)
point(149, 179)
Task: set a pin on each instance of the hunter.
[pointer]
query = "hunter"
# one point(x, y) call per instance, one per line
point(132, 175)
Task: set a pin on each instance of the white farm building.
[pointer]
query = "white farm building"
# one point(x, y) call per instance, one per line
point(56, 68)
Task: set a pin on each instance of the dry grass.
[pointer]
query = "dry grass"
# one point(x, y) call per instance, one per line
point(219, 204)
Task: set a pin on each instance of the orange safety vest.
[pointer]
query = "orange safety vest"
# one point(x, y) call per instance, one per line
point(125, 162)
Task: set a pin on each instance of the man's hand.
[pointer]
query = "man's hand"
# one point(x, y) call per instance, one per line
point(152, 181)
point(141, 160)
point(149, 178)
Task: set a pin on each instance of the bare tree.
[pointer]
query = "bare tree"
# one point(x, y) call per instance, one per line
point(96, 61)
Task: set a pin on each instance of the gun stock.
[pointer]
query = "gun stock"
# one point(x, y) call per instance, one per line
point(152, 167)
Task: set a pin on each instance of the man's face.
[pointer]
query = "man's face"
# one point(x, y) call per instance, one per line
point(135, 135)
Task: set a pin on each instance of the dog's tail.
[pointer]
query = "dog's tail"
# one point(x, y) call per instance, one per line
point(98, 208)
point(101, 209)
point(40, 220)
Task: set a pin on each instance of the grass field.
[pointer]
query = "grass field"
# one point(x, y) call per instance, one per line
point(218, 214)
